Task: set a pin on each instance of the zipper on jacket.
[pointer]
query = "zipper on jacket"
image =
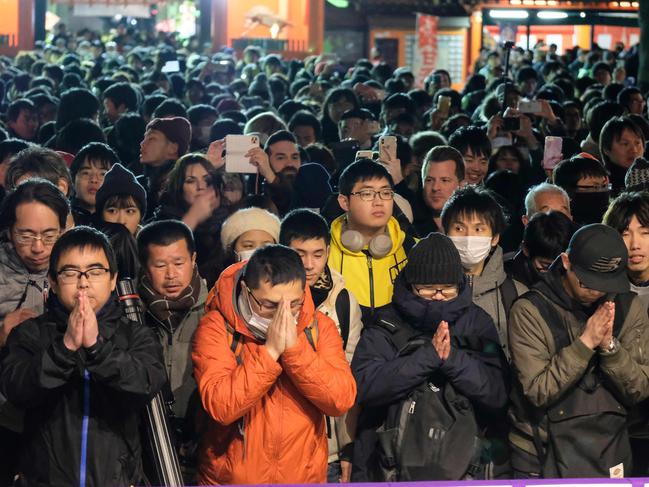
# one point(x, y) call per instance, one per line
point(411, 409)
point(84, 428)
point(242, 431)
point(371, 273)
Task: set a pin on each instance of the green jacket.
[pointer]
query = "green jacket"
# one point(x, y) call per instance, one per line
point(177, 351)
point(545, 374)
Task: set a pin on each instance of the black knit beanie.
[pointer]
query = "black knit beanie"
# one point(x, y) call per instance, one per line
point(120, 181)
point(434, 260)
point(177, 129)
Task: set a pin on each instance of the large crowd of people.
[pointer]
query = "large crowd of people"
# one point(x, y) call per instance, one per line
point(408, 283)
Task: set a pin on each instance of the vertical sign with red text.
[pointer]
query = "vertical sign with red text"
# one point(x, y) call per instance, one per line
point(425, 55)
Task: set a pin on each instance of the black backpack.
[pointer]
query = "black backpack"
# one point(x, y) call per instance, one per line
point(432, 434)
point(587, 431)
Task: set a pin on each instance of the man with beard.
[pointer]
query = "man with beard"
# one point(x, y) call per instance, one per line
point(278, 163)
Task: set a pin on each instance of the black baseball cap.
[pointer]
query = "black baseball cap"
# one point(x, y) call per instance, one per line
point(598, 256)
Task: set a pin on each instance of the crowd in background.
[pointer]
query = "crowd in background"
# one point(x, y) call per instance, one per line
point(482, 252)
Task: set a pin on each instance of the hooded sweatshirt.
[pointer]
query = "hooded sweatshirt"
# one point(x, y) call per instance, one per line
point(487, 295)
point(369, 279)
point(266, 420)
point(19, 288)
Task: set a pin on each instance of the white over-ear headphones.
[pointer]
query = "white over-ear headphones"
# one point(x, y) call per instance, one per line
point(378, 247)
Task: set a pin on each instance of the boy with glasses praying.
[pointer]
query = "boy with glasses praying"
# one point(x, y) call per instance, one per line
point(81, 372)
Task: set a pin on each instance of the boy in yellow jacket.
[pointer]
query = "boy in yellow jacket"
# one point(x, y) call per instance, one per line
point(368, 246)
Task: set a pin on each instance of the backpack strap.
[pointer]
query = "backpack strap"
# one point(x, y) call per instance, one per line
point(400, 333)
point(508, 294)
point(343, 308)
point(236, 345)
point(551, 317)
point(561, 339)
point(312, 332)
point(622, 306)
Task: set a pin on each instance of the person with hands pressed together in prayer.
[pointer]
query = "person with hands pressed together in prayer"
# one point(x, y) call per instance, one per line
point(82, 372)
point(269, 367)
point(420, 339)
point(577, 341)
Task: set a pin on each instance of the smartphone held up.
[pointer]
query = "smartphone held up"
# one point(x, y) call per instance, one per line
point(236, 148)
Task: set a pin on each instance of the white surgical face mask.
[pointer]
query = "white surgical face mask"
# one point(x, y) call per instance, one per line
point(258, 325)
point(473, 250)
point(244, 255)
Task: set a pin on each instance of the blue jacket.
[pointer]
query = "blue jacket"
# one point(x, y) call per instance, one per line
point(383, 377)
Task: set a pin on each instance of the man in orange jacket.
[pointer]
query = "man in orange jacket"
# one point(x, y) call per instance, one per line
point(269, 367)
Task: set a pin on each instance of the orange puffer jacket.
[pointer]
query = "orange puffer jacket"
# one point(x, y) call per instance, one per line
point(266, 418)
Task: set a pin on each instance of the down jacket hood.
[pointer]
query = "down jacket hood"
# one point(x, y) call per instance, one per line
point(223, 298)
point(424, 314)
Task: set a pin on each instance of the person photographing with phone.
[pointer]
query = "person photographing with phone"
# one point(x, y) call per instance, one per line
point(278, 163)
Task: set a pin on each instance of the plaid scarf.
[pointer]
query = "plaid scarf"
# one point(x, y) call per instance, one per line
point(170, 312)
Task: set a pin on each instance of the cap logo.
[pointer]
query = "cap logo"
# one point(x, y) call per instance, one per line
point(606, 264)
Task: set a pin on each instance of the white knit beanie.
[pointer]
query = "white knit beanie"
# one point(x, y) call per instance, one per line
point(247, 219)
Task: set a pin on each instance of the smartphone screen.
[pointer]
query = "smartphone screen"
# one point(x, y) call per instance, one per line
point(171, 67)
point(387, 147)
point(236, 146)
point(552, 152)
